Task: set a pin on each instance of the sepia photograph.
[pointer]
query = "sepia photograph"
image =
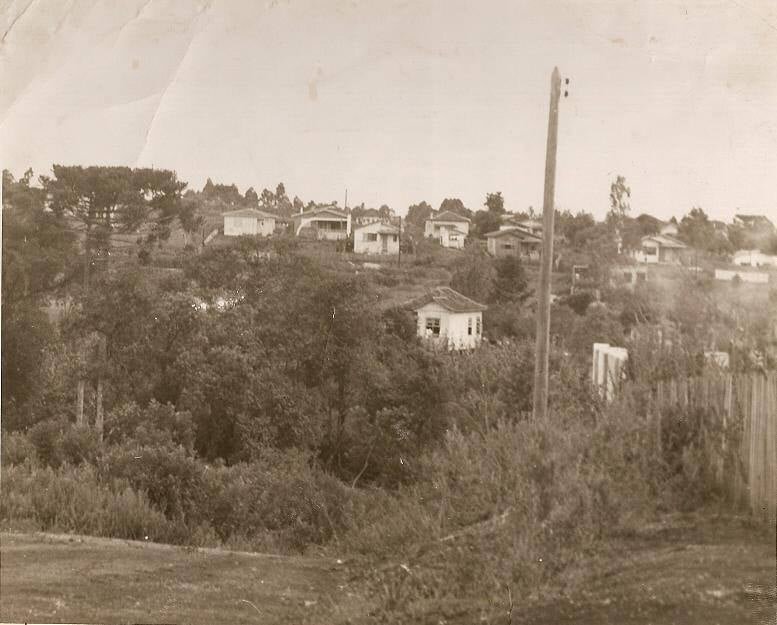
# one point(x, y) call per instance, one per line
point(344, 312)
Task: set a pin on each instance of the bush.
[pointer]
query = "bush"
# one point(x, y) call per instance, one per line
point(280, 503)
point(57, 442)
point(16, 449)
point(73, 499)
point(514, 505)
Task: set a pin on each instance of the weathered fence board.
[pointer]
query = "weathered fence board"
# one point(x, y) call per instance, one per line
point(744, 407)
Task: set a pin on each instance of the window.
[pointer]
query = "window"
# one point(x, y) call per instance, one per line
point(649, 251)
point(433, 326)
point(507, 246)
point(477, 326)
point(394, 238)
point(469, 326)
point(370, 236)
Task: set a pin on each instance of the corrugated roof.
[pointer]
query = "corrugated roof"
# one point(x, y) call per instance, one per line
point(249, 212)
point(447, 298)
point(448, 216)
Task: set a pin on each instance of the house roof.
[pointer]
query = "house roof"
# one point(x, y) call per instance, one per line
point(515, 232)
point(664, 240)
point(448, 216)
point(379, 227)
point(447, 298)
point(331, 212)
point(250, 212)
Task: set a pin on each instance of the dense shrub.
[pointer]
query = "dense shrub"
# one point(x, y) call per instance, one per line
point(514, 505)
point(73, 499)
point(57, 442)
point(16, 448)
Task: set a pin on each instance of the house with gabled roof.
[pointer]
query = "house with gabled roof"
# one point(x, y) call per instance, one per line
point(248, 221)
point(448, 319)
point(448, 229)
point(376, 238)
point(662, 248)
point(325, 223)
point(513, 242)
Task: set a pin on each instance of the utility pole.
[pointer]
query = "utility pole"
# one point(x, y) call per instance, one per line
point(399, 241)
point(540, 403)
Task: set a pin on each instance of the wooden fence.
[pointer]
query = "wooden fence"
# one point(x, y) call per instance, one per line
point(739, 430)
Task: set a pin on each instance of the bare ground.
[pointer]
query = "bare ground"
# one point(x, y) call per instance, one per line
point(701, 569)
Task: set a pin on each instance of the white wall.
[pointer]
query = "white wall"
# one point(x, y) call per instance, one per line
point(237, 226)
point(362, 246)
point(757, 277)
point(607, 368)
point(453, 327)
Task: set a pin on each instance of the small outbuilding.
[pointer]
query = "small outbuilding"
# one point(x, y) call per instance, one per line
point(448, 319)
point(376, 238)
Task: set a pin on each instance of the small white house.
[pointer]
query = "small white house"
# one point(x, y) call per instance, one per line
point(754, 258)
point(448, 319)
point(376, 238)
point(448, 229)
point(248, 221)
point(662, 248)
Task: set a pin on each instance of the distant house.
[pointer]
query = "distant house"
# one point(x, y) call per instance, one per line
point(368, 216)
point(449, 319)
point(669, 229)
point(513, 242)
point(754, 222)
point(448, 229)
point(248, 221)
point(376, 238)
point(326, 223)
point(754, 258)
point(530, 225)
point(662, 248)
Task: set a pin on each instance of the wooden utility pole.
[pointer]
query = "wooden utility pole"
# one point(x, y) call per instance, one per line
point(399, 243)
point(540, 403)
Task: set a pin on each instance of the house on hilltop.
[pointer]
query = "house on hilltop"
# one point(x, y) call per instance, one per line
point(368, 216)
point(513, 241)
point(448, 229)
point(325, 223)
point(754, 222)
point(248, 221)
point(754, 258)
point(376, 238)
point(448, 319)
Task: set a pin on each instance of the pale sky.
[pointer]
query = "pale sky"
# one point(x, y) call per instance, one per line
point(403, 101)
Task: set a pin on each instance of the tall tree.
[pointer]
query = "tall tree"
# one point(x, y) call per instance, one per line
point(455, 205)
point(620, 193)
point(104, 200)
point(417, 214)
point(495, 203)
